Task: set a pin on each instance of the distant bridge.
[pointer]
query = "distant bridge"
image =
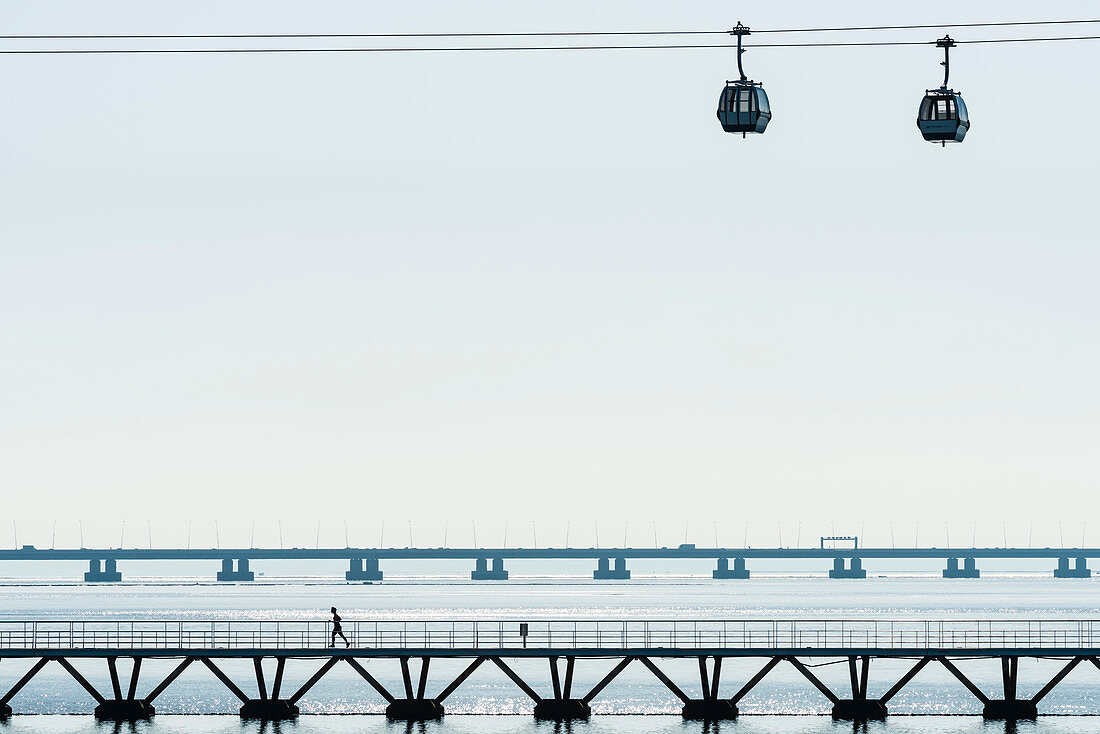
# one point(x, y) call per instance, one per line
point(611, 563)
point(374, 644)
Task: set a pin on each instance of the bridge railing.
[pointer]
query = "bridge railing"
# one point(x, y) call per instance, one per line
point(550, 634)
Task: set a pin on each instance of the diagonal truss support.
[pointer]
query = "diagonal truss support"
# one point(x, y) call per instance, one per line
point(755, 680)
point(964, 680)
point(517, 680)
point(607, 679)
point(233, 687)
point(358, 668)
point(660, 674)
point(1056, 679)
point(168, 680)
point(460, 679)
point(825, 690)
point(81, 680)
point(904, 680)
point(23, 681)
point(313, 680)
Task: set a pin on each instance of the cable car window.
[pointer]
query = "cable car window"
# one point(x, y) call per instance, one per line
point(926, 109)
point(762, 101)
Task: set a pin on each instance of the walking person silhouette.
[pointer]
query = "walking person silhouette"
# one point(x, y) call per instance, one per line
point(337, 629)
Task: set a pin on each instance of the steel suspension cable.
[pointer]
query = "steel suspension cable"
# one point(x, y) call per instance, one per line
point(458, 49)
point(522, 34)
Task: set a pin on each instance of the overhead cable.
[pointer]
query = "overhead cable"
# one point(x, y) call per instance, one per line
point(519, 34)
point(609, 47)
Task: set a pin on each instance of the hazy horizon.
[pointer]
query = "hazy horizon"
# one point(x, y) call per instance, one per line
point(544, 286)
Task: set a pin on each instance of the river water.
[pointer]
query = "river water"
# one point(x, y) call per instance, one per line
point(634, 703)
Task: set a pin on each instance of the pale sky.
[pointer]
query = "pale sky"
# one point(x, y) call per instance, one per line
point(506, 287)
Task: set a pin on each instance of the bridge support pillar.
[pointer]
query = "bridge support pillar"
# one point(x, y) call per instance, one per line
point(968, 571)
point(1010, 710)
point(709, 709)
point(240, 573)
point(854, 570)
point(605, 572)
point(725, 572)
point(269, 709)
point(562, 709)
point(101, 571)
point(859, 707)
point(5, 711)
point(1080, 569)
point(482, 572)
point(859, 710)
point(363, 569)
point(124, 710)
point(414, 709)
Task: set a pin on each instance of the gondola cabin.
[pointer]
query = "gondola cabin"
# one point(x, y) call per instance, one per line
point(942, 117)
point(743, 108)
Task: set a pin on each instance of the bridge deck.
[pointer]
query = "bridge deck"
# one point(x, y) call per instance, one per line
point(646, 642)
point(363, 563)
point(519, 637)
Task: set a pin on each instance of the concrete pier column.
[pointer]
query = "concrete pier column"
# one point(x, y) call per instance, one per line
point(124, 710)
point(859, 707)
point(968, 571)
point(1080, 569)
point(360, 569)
point(605, 572)
point(1010, 708)
point(854, 570)
point(482, 571)
point(859, 710)
point(725, 572)
point(562, 709)
point(269, 709)
point(709, 709)
point(102, 571)
point(240, 573)
point(414, 709)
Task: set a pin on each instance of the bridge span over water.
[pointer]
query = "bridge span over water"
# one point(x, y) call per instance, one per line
point(365, 564)
point(373, 646)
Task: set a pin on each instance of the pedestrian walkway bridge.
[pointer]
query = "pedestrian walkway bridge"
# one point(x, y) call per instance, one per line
point(377, 643)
